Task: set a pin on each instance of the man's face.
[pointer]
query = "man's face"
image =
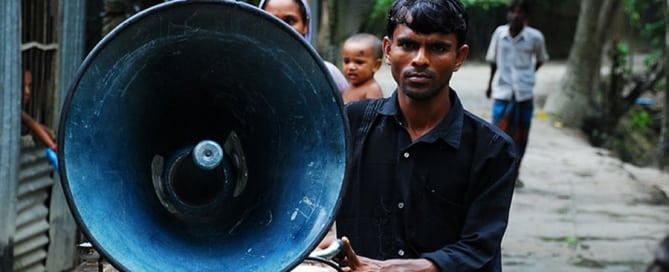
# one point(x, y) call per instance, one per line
point(289, 12)
point(516, 17)
point(360, 64)
point(422, 64)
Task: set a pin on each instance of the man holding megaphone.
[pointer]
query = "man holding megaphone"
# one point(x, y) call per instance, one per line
point(431, 184)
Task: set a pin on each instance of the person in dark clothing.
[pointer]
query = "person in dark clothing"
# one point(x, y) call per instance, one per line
point(430, 184)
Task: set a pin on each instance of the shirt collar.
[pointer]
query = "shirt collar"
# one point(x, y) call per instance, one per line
point(449, 130)
point(521, 35)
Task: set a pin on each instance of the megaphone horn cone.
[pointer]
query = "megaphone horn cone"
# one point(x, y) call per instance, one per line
point(203, 136)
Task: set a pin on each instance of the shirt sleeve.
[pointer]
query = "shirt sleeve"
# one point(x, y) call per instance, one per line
point(540, 48)
point(487, 216)
point(337, 76)
point(491, 54)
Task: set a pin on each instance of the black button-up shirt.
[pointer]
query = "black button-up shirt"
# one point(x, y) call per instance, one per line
point(445, 197)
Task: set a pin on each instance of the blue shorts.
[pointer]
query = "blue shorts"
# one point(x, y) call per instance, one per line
point(514, 118)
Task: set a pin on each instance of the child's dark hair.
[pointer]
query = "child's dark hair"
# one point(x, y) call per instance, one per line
point(374, 42)
point(429, 16)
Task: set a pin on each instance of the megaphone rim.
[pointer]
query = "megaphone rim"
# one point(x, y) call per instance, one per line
point(90, 58)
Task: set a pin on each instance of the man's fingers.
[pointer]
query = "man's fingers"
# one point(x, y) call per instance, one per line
point(352, 259)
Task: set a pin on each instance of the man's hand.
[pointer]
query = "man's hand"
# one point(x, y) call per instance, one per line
point(355, 263)
point(328, 239)
point(488, 92)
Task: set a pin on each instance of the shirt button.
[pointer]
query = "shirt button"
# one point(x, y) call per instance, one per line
point(406, 155)
point(400, 252)
point(400, 205)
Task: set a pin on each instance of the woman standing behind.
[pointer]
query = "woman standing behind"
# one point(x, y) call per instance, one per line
point(296, 14)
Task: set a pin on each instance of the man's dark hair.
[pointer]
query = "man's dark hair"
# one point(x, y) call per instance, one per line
point(522, 4)
point(429, 16)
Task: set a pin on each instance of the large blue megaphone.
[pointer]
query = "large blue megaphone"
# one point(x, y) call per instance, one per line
point(203, 136)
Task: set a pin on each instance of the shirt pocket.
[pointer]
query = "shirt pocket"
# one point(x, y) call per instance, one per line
point(522, 58)
point(438, 222)
point(527, 78)
point(449, 191)
point(443, 211)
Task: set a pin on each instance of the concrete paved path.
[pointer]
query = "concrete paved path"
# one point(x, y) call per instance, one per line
point(581, 209)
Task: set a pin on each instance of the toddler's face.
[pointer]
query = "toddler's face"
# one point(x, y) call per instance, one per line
point(360, 64)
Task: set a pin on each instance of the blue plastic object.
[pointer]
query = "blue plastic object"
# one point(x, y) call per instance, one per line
point(645, 101)
point(182, 72)
point(52, 156)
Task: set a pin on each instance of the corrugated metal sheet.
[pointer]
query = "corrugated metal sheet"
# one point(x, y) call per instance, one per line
point(32, 222)
point(38, 52)
point(39, 49)
point(37, 232)
point(10, 123)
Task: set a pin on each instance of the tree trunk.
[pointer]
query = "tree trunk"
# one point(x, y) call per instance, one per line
point(663, 143)
point(572, 103)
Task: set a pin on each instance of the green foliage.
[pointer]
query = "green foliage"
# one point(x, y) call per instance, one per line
point(485, 4)
point(653, 57)
point(636, 138)
point(647, 17)
point(571, 240)
point(380, 8)
point(622, 52)
point(661, 85)
point(630, 7)
point(640, 120)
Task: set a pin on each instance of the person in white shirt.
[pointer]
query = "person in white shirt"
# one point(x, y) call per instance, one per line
point(515, 53)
